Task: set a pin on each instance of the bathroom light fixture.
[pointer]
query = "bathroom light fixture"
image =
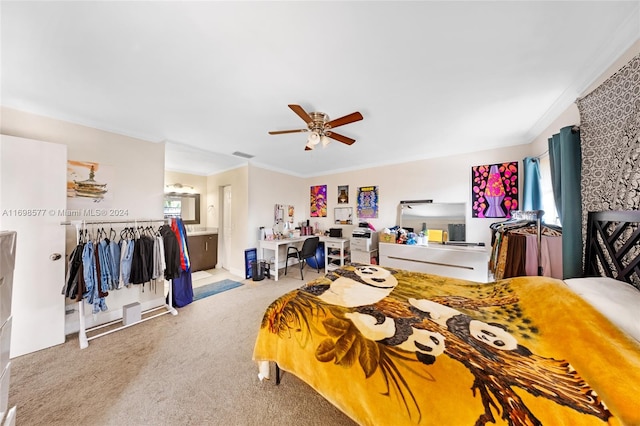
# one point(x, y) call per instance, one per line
point(178, 187)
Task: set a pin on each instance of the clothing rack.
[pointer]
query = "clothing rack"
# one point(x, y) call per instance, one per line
point(519, 217)
point(535, 215)
point(82, 334)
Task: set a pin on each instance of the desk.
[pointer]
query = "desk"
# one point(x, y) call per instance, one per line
point(274, 245)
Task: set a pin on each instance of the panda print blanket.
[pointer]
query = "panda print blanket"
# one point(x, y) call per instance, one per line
point(394, 347)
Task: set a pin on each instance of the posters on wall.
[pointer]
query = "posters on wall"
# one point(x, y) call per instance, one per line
point(368, 202)
point(319, 201)
point(494, 190)
point(343, 194)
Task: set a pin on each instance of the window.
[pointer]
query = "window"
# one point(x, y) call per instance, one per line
point(548, 202)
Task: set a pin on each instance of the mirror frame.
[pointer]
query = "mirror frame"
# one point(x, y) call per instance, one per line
point(196, 197)
point(438, 213)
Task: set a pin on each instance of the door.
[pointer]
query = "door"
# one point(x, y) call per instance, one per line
point(32, 203)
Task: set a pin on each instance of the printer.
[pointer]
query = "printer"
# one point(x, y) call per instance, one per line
point(364, 239)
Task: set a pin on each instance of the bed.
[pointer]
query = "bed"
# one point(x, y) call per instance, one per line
point(395, 347)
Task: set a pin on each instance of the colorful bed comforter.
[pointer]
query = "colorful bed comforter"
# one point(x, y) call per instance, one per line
point(393, 347)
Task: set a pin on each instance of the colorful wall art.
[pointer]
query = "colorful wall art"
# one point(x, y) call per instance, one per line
point(319, 201)
point(368, 202)
point(494, 190)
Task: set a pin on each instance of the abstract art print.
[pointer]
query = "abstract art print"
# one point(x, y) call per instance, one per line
point(494, 190)
point(368, 202)
point(319, 201)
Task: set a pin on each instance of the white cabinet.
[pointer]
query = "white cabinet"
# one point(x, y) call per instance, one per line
point(468, 263)
point(335, 252)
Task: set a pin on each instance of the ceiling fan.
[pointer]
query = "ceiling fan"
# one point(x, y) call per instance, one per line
point(320, 126)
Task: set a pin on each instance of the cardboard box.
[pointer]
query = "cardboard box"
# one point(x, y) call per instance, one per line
point(386, 238)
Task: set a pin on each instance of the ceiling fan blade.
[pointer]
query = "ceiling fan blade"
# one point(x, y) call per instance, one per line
point(301, 113)
point(341, 138)
point(350, 118)
point(280, 132)
point(306, 148)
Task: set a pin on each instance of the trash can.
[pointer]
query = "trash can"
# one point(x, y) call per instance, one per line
point(257, 270)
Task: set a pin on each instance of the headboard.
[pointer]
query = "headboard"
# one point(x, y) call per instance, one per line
point(613, 245)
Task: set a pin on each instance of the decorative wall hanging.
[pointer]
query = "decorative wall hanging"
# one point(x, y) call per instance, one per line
point(494, 190)
point(319, 201)
point(343, 194)
point(87, 183)
point(368, 202)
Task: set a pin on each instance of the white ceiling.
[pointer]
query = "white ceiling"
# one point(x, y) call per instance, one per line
point(211, 78)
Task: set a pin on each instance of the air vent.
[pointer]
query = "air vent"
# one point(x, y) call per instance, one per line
point(242, 154)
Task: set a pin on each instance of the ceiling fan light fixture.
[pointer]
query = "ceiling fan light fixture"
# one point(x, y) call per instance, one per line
point(325, 140)
point(313, 139)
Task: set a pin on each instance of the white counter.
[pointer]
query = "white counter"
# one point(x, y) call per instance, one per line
point(464, 262)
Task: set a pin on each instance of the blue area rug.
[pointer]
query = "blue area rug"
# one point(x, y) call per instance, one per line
point(214, 288)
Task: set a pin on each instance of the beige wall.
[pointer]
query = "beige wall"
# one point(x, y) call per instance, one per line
point(446, 179)
point(137, 184)
point(137, 165)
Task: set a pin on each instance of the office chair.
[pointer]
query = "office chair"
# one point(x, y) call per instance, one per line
point(308, 250)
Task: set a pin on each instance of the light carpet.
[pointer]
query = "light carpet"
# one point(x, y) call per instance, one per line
point(199, 275)
point(195, 368)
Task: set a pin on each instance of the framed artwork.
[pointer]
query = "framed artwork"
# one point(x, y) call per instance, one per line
point(88, 183)
point(319, 201)
point(368, 202)
point(494, 190)
point(343, 194)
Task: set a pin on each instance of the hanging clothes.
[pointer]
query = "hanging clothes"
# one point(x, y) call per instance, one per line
point(171, 252)
point(182, 287)
point(71, 287)
point(516, 252)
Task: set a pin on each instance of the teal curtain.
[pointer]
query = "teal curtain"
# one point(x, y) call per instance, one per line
point(566, 164)
point(532, 190)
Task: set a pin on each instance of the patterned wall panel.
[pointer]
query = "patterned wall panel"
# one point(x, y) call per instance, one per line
point(609, 130)
point(609, 136)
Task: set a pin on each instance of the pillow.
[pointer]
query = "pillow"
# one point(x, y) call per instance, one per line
point(616, 300)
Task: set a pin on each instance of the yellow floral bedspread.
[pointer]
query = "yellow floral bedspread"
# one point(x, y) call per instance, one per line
point(393, 347)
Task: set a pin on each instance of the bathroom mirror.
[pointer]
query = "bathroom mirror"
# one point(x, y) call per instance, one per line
point(449, 217)
point(185, 206)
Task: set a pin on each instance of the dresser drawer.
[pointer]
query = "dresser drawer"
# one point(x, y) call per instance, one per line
point(336, 244)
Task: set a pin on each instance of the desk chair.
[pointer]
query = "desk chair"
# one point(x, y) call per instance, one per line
point(308, 250)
